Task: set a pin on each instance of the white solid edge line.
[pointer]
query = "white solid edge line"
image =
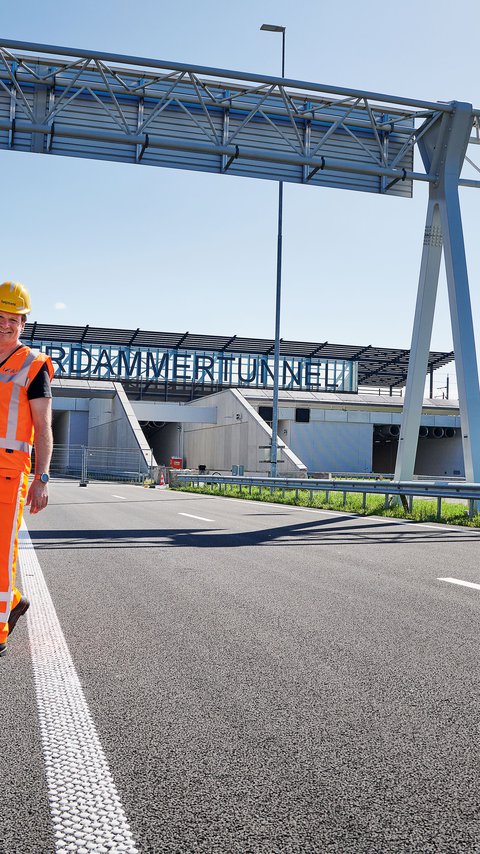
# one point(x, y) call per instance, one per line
point(462, 583)
point(201, 518)
point(84, 804)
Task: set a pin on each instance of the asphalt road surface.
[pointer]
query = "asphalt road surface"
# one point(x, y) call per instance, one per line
point(261, 678)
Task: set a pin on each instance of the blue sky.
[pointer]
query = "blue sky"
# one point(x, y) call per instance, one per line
point(127, 246)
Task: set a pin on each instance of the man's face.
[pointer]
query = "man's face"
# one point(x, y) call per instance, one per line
point(11, 327)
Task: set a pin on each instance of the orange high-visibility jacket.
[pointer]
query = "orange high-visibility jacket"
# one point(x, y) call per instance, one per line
point(16, 424)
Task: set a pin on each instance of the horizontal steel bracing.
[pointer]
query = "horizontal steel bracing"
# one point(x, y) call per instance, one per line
point(78, 103)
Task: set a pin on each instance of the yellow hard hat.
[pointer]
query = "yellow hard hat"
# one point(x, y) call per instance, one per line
point(14, 298)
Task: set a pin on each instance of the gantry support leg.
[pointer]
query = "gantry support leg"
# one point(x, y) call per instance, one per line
point(443, 150)
point(421, 337)
point(462, 329)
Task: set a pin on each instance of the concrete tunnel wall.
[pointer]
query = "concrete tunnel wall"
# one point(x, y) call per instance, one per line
point(229, 431)
point(239, 437)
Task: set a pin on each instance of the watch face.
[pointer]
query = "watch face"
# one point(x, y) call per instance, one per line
point(44, 478)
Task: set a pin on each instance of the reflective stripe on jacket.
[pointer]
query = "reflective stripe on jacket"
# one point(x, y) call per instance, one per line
point(16, 423)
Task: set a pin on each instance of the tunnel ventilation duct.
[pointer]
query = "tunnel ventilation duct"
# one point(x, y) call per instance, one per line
point(423, 432)
point(437, 432)
point(148, 425)
point(391, 430)
point(450, 432)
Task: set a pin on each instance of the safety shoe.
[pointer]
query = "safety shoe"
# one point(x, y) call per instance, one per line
point(3, 649)
point(20, 608)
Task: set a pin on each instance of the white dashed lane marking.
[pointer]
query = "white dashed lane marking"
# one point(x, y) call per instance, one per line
point(200, 518)
point(119, 496)
point(462, 583)
point(85, 807)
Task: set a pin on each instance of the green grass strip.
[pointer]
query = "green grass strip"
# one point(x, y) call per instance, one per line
point(422, 510)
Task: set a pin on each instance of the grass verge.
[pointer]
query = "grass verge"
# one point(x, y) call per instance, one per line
point(422, 510)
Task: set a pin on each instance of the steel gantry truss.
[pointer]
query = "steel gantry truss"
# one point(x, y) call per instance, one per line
point(90, 104)
point(69, 102)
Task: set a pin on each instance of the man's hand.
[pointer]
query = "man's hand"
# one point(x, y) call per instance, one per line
point(37, 496)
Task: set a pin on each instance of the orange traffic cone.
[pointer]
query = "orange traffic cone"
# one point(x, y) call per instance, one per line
point(162, 479)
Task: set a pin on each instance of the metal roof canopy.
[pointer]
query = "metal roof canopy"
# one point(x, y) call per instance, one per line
point(67, 101)
point(377, 366)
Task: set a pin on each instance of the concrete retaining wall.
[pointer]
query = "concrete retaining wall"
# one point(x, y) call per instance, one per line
point(236, 439)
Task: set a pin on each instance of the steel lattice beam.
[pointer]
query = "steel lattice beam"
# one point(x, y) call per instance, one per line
point(58, 100)
point(71, 102)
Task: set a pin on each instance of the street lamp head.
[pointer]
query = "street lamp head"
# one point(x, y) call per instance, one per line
point(276, 28)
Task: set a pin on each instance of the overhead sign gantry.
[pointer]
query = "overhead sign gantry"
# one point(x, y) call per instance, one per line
point(64, 101)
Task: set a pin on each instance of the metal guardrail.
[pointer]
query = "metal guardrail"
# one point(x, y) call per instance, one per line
point(408, 489)
point(418, 478)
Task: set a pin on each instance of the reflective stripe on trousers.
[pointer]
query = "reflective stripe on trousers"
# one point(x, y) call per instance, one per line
point(13, 491)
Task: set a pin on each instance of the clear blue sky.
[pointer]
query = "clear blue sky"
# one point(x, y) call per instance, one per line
point(127, 246)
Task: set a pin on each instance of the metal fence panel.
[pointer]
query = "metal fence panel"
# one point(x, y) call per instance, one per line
point(67, 461)
point(113, 464)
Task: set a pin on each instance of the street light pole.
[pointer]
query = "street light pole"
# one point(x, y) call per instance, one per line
point(274, 28)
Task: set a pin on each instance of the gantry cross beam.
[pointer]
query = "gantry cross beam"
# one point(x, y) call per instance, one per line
point(77, 103)
point(65, 101)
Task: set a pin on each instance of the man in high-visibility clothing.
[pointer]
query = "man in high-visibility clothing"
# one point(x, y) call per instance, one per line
point(25, 419)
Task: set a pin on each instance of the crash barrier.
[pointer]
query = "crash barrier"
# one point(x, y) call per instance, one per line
point(83, 463)
point(405, 490)
point(348, 475)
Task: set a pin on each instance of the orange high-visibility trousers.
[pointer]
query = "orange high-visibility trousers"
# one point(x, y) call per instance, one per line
point(13, 491)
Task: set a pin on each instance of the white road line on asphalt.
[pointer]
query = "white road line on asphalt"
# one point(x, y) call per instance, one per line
point(389, 519)
point(119, 496)
point(462, 583)
point(84, 804)
point(201, 518)
point(323, 512)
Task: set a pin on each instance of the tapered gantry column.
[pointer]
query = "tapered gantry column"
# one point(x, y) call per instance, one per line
point(443, 149)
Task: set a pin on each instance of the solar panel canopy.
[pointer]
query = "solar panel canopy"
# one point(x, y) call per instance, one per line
point(377, 366)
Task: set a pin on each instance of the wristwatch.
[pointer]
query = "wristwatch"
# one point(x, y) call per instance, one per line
point(43, 477)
